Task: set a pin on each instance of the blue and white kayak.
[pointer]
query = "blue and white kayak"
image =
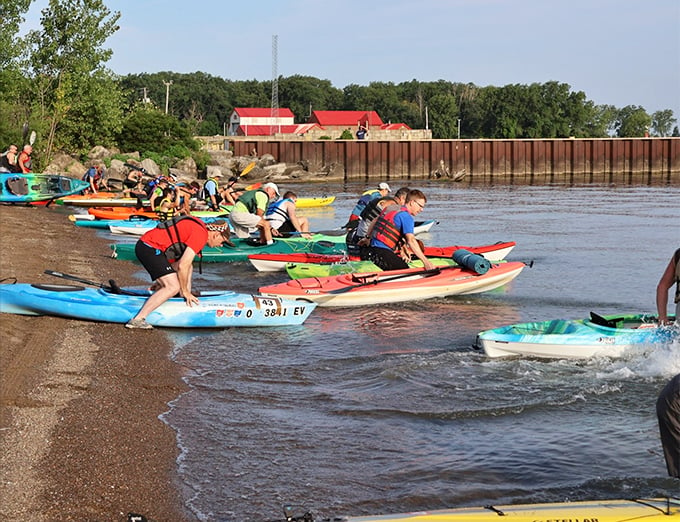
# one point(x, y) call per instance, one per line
point(606, 336)
point(220, 309)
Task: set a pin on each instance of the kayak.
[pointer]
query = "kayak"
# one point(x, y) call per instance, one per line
point(394, 286)
point(220, 309)
point(277, 262)
point(100, 200)
point(302, 270)
point(319, 243)
point(314, 202)
point(641, 510)
point(27, 188)
point(607, 336)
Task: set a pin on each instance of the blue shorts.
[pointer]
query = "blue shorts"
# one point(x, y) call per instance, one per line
point(153, 260)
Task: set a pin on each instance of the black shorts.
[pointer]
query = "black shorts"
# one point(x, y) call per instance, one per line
point(385, 259)
point(153, 260)
point(287, 229)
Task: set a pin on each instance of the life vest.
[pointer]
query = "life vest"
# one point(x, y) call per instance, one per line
point(676, 257)
point(205, 194)
point(164, 215)
point(363, 201)
point(386, 231)
point(276, 214)
point(249, 201)
point(177, 247)
point(25, 160)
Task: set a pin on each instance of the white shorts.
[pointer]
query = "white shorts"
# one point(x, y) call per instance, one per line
point(244, 223)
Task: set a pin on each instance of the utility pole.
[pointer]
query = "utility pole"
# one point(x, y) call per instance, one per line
point(458, 128)
point(167, 94)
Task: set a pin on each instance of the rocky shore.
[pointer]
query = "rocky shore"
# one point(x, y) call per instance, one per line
point(80, 434)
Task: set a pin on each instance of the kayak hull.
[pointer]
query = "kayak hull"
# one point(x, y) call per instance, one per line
point(642, 510)
point(244, 247)
point(27, 188)
point(395, 286)
point(215, 309)
point(302, 270)
point(573, 339)
point(275, 262)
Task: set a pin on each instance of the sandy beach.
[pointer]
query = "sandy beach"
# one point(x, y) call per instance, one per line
point(80, 437)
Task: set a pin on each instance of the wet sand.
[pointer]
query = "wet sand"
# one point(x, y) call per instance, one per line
point(80, 437)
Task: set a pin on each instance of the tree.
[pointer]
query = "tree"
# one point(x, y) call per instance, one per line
point(662, 122)
point(11, 17)
point(148, 129)
point(68, 76)
point(632, 121)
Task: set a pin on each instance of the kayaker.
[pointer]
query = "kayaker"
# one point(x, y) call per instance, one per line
point(169, 204)
point(229, 194)
point(211, 191)
point(382, 191)
point(668, 413)
point(393, 230)
point(8, 160)
point(670, 277)
point(368, 216)
point(161, 184)
point(284, 220)
point(249, 212)
point(24, 160)
point(167, 254)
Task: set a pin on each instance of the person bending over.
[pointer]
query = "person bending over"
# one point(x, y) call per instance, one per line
point(249, 212)
point(670, 277)
point(167, 254)
point(284, 220)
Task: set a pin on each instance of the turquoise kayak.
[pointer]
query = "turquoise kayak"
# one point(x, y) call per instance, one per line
point(607, 336)
point(318, 244)
point(220, 309)
point(27, 188)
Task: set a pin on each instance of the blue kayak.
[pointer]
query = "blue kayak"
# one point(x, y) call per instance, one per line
point(220, 309)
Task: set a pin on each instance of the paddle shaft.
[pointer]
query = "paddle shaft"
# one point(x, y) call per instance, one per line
point(113, 288)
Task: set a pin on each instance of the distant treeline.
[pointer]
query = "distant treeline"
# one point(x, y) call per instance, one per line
point(547, 110)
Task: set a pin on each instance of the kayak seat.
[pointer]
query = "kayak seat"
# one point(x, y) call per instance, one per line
point(17, 186)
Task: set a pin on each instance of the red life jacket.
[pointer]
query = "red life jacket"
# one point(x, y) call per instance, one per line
point(385, 230)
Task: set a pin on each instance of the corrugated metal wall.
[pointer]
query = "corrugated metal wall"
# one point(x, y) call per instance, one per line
point(634, 160)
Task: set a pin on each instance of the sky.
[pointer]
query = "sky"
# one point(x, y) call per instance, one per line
point(618, 52)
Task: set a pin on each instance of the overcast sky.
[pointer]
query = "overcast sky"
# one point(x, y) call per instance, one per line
point(619, 52)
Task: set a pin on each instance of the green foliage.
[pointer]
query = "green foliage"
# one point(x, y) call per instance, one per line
point(662, 123)
point(346, 135)
point(202, 158)
point(147, 129)
point(11, 17)
point(632, 121)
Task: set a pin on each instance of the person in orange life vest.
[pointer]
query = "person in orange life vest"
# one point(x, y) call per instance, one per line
point(382, 191)
point(392, 230)
point(24, 160)
point(168, 255)
point(95, 177)
point(670, 277)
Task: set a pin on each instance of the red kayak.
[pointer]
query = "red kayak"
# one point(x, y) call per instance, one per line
point(277, 262)
point(394, 286)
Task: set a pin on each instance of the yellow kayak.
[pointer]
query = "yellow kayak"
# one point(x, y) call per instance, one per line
point(639, 510)
point(314, 202)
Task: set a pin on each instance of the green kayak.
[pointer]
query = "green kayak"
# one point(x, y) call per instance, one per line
point(318, 244)
point(302, 270)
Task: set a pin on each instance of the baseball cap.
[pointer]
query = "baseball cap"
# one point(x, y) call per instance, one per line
point(384, 186)
point(271, 186)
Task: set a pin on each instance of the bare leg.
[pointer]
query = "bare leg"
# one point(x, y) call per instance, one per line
point(168, 287)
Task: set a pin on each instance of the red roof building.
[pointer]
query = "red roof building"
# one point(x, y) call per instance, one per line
point(346, 119)
point(242, 118)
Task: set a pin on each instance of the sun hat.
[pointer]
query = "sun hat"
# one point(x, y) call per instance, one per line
point(271, 186)
point(384, 186)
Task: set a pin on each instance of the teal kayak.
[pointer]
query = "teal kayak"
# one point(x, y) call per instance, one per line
point(27, 188)
point(606, 336)
point(318, 244)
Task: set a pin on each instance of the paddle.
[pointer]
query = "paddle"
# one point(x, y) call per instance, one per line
point(113, 288)
point(426, 273)
point(245, 171)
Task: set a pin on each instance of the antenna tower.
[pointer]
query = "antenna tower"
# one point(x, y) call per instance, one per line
point(275, 85)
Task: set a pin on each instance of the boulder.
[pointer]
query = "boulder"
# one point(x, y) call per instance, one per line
point(151, 167)
point(64, 164)
point(187, 166)
point(98, 153)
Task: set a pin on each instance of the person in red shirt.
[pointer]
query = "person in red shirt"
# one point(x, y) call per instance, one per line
point(168, 253)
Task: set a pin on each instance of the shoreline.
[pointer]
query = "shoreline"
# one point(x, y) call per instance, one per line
point(81, 436)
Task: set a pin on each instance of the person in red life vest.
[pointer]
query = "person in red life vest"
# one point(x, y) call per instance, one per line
point(24, 160)
point(392, 231)
point(167, 254)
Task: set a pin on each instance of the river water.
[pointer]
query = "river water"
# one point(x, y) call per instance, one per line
point(390, 408)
